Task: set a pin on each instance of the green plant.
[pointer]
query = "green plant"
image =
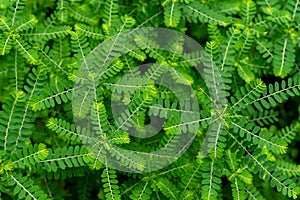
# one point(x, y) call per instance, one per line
point(252, 45)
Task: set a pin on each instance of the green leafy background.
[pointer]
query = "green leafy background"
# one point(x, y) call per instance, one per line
point(254, 45)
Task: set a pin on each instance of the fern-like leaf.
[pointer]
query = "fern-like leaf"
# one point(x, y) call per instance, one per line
point(110, 186)
point(26, 188)
point(202, 13)
point(284, 57)
point(277, 93)
point(172, 14)
point(61, 93)
point(66, 157)
point(29, 156)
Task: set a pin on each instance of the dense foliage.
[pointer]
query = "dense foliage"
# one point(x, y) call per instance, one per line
point(254, 45)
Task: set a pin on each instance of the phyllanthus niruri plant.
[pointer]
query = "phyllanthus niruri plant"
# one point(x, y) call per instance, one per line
point(143, 90)
point(84, 82)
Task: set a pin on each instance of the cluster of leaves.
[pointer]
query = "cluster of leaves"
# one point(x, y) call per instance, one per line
point(253, 46)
